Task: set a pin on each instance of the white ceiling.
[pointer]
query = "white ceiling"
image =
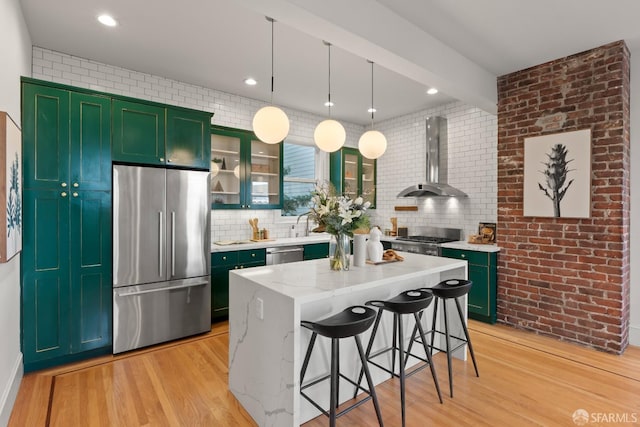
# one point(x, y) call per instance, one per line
point(459, 46)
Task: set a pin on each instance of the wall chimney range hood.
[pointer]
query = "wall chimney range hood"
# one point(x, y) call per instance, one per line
point(436, 184)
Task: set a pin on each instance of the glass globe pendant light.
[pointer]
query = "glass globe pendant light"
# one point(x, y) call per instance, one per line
point(329, 135)
point(270, 123)
point(372, 143)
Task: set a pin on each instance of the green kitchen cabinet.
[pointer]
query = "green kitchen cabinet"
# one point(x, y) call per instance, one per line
point(188, 138)
point(66, 257)
point(67, 137)
point(146, 133)
point(482, 269)
point(66, 275)
point(245, 172)
point(316, 251)
point(221, 264)
point(353, 175)
point(138, 133)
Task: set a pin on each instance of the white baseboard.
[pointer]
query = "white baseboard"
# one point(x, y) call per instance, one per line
point(11, 391)
point(634, 335)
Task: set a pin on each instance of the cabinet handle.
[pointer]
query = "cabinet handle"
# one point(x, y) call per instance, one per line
point(76, 185)
point(74, 194)
point(235, 267)
point(253, 255)
point(463, 255)
point(168, 160)
point(248, 206)
point(162, 159)
point(224, 258)
point(242, 266)
point(63, 185)
point(160, 245)
point(173, 243)
point(63, 194)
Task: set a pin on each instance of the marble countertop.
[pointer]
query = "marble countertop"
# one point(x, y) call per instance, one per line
point(313, 280)
point(471, 247)
point(240, 245)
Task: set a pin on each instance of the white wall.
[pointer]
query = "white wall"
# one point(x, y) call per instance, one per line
point(15, 50)
point(634, 331)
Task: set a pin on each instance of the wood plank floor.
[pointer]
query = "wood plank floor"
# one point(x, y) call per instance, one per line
point(525, 380)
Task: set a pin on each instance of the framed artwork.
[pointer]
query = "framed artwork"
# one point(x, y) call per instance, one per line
point(10, 188)
point(557, 175)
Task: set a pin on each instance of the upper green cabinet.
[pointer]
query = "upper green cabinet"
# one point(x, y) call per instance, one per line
point(353, 175)
point(68, 138)
point(138, 132)
point(245, 172)
point(157, 135)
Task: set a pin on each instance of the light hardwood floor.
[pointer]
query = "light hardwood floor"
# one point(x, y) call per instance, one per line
point(525, 380)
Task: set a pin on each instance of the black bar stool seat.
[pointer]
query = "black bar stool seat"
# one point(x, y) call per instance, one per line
point(350, 322)
point(446, 290)
point(408, 302)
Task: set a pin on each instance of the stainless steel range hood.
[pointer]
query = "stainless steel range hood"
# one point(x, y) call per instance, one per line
point(436, 184)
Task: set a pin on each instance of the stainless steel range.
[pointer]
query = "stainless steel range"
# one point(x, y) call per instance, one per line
point(428, 241)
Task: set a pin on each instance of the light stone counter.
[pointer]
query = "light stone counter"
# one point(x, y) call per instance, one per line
point(267, 344)
point(471, 246)
point(242, 245)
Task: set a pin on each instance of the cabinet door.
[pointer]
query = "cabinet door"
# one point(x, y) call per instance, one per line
point(220, 292)
point(226, 169)
point(90, 268)
point(138, 133)
point(353, 175)
point(45, 276)
point(90, 153)
point(188, 139)
point(263, 181)
point(478, 299)
point(350, 175)
point(367, 174)
point(316, 251)
point(45, 137)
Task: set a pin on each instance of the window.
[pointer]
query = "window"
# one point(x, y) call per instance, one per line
point(299, 178)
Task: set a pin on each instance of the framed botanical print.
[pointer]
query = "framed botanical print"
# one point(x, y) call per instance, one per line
point(10, 188)
point(557, 175)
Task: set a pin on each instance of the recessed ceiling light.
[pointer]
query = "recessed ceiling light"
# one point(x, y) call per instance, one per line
point(371, 110)
point(107, 20)
point(250, 81)
point(432, 91)
point(328, 104)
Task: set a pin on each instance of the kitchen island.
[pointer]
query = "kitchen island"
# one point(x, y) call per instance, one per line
point(267, 344)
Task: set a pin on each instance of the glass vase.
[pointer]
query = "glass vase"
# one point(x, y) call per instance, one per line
point(339, 252)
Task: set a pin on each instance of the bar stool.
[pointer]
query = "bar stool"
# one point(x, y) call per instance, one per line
point(408, 302)
point(351, 322)
point(450, 290)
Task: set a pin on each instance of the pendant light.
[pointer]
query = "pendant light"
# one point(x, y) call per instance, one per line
point(271, 124)
point(372, 144)
point(329, 135)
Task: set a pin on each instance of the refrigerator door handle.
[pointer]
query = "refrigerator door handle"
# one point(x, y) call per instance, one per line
point(169, 288)
point(173, 243)
point(160, 245)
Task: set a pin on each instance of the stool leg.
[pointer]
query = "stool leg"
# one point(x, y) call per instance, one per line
point(428, 353)
point(307, 356)
point(369, 347)
point(333, 400)
point(372, 390)
point(401, 367)
point(433, 323)
point(395, 343)
point(448, 339)
point(338, 381)
point(466, 334)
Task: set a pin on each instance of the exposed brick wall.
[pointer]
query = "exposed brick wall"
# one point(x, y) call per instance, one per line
point(568, 278)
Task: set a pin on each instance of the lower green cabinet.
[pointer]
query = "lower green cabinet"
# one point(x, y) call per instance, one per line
point(66, 276)
point(482, 270)
point(316, 251)
point(221, 264)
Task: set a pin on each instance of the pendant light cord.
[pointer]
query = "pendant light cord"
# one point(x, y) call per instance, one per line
point(329, 94)
point(372, 108)
point(272, 79)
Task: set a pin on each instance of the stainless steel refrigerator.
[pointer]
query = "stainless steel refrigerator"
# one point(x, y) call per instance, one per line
point(161, 255)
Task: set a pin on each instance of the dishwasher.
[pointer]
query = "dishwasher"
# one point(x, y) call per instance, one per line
point(284, 254)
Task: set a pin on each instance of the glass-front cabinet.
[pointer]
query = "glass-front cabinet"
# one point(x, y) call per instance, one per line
point(245, 172)
point(353, 174)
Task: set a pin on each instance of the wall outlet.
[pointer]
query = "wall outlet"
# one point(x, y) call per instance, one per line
point(260, 308)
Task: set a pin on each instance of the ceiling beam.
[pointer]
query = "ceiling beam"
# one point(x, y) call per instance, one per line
point(369, 30)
